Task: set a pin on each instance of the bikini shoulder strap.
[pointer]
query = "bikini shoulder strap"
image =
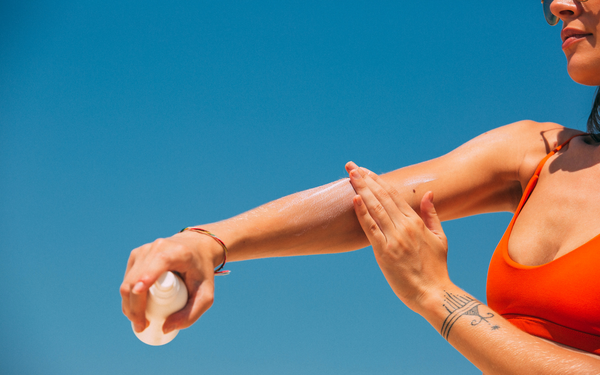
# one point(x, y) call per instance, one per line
point(557, 149)
point(534, 179)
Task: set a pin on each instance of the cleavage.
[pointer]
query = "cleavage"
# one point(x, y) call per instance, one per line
point(560, 216)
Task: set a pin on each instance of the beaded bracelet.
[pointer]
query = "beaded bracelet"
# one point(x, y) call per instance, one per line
point(219, 271)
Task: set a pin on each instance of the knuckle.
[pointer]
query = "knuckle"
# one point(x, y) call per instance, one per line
point(396, 250)
point(373, 228)
point(380, 191)
point(394, 194)
point(142, 249)
point(124, 289)
point(208, 299)
point(411, 236)
point(379, 208)
point(159, 242)
point(168, 251)
point(418, 223)
point(415, 223)
point(138, 252)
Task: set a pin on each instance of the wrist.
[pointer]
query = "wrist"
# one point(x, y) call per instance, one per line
point(445, 306)
point(233, 236)
point(431, 303)
point(204, 246)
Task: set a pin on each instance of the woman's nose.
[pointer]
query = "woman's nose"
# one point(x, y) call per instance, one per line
point(566, 9)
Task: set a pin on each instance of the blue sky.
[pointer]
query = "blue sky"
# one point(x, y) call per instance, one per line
point(121, 122)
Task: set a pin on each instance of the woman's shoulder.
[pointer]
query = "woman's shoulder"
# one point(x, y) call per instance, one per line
point(526, 141)
point(516, 149)
point(532, 140)
point(536, 136)
point(544, 136)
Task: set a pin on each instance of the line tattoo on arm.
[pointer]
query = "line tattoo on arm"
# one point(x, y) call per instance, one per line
point(458, 306)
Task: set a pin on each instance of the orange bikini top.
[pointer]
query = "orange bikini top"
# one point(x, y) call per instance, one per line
point(557, 301)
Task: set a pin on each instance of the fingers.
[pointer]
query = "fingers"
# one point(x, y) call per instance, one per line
point(133, 303)
point(144, 267)
point(368, 225)
point(377, 181)
point(138, 298)
point(394, 203)
point(126, 291)
point(142, 272)
point(380, 206)
point(200, 300)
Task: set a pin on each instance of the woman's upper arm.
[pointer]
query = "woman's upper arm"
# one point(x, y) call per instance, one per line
point(486, 174)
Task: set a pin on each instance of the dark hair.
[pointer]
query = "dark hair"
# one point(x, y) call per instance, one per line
point(593, 123)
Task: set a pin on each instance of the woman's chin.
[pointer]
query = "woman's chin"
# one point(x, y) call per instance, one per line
point(584, 72)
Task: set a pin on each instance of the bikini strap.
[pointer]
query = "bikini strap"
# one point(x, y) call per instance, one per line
point(534, 179)
point(557, 149)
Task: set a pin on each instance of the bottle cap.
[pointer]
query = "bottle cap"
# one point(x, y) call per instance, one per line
point(165, 288)
point(165, 282)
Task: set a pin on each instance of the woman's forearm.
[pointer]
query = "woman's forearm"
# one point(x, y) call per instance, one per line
point(315, 221)
point(494, 345)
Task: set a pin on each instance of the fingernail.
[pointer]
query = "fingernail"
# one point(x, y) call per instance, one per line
point(138, 287)
point(355, 174)
point(138, 327)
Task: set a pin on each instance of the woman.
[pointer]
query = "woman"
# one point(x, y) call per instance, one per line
point(488, 174)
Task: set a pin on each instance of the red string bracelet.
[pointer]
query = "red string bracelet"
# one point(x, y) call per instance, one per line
point(219, 270)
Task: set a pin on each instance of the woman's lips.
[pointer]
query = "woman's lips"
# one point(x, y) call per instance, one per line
point(570, 37)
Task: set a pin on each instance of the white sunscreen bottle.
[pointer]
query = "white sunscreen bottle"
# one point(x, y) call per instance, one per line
point(166, 296)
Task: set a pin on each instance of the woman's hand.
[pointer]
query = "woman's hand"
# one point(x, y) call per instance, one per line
point(192, 255)
point(410, 250)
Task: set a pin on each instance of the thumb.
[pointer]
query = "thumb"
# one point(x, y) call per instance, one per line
point(430, 216)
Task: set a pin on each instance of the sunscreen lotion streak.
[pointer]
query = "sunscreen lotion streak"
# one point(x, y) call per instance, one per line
point(166, 296)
